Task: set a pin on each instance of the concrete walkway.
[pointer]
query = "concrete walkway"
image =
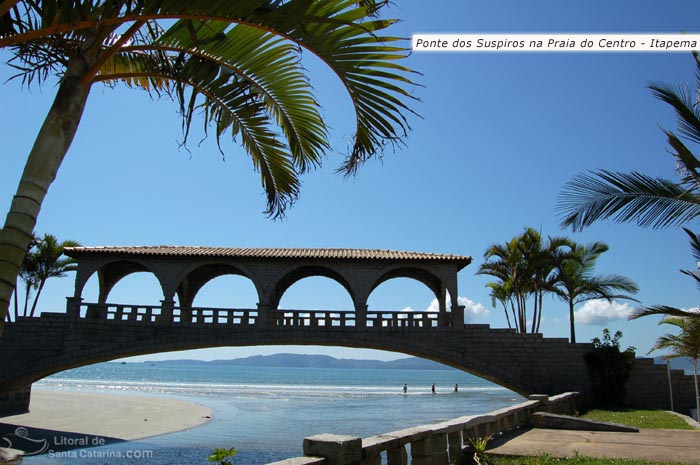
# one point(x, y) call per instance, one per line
point(652, 445)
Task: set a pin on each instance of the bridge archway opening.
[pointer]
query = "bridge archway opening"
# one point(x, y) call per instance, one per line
point(139, 285)
point(315, 289)
point(227, 291)
point(405, 294)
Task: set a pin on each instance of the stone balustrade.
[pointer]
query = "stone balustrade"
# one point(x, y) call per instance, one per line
point(119, 312)
point(434, 444)
point(403, 319)
point(249, 317)
point(215, 316)
point(313, 318)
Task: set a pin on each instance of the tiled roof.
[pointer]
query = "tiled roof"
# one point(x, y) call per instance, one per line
point(284, 253)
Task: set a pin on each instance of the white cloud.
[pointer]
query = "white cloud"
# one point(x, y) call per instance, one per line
point(471, 309)
point(601, 312)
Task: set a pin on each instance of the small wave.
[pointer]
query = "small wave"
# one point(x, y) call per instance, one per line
point(246, 389)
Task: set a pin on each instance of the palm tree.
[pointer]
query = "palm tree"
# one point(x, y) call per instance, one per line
point(636, 197)
point(49, 264)
point(684, 344)
point(576, 284)
point(502, 292)
point(28, 275)
point(524, 267)
point(237, 63)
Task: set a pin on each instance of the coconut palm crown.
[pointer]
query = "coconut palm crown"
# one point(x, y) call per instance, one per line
point(575, 282)
point(636, 197)
point(524, 269)
point(235, 63)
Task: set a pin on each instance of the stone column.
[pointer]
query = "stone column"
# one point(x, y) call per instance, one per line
point(263, 319)
point(73, 307)
point(360, 316)
point(336, 449)
point(422, 451)
point(166, 311)
point(458, 317)
point(15, 402)
point(397, 456)
point(373, 460)
point(439, 449)
point(454, 441)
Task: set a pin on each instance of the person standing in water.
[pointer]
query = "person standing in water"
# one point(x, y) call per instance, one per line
point(433, 388)
point(405, 389)
point(456, 387)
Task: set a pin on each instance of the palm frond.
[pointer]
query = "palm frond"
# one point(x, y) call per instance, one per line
point(623, 197)
point(664, 310)
point(680, 97)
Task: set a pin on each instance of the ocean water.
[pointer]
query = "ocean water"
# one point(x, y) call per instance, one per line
point(266, 412)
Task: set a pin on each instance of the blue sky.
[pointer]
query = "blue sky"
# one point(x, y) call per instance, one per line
point(499, 135)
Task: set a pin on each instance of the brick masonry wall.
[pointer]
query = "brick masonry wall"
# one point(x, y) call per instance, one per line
point(525, 363)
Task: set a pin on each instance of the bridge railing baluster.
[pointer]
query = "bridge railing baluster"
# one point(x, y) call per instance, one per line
point(247, 317)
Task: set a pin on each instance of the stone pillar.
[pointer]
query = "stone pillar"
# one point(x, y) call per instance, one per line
point(15, 402)
point(360, 316)
point(422, 451)
point(442, 299)
point(73, 307)
point(458, 317)
point(375, 459)
point(439, 449)
point(264, 314)
point(397, 456)
point(166, 311)
point(454, 441)
point(543, 400)
point(336, 449)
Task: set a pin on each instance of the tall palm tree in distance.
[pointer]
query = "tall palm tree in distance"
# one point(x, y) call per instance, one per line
point(237, 63)
point(575, 282)
point(50, 264)
point(524, 268)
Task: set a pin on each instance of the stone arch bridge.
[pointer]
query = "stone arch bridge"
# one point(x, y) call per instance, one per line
point(33, 348)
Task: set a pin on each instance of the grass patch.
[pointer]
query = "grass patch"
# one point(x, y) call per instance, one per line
point(655, 419)
point(545, 459)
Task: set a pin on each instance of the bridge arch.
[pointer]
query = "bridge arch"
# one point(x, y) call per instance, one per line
point(111, 272)
point(297, 274)
point(105, 340)
point(195, 277)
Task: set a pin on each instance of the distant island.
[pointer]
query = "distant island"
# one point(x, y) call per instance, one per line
point(325, 361)
point(316, 361)
point(680, 363)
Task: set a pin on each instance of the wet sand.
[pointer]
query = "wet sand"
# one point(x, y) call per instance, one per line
point(112, 416)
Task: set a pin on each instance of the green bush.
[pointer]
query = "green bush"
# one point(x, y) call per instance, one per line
point(609, 368)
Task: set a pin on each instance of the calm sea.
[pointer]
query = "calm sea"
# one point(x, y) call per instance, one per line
point(266, 412)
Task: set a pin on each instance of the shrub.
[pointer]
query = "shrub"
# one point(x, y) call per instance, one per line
point(609, 368)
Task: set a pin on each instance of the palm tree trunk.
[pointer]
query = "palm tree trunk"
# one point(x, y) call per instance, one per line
point(515, 320)
point(16, 301)
point(46, 156)
point(27, 292)
point(505, 310)
point(571, 322)
point(697, 396)
point(36, 296)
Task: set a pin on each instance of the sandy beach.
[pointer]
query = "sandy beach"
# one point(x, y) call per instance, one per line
point(114, 416)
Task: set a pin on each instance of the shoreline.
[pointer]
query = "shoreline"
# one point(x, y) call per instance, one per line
point(61, 420)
